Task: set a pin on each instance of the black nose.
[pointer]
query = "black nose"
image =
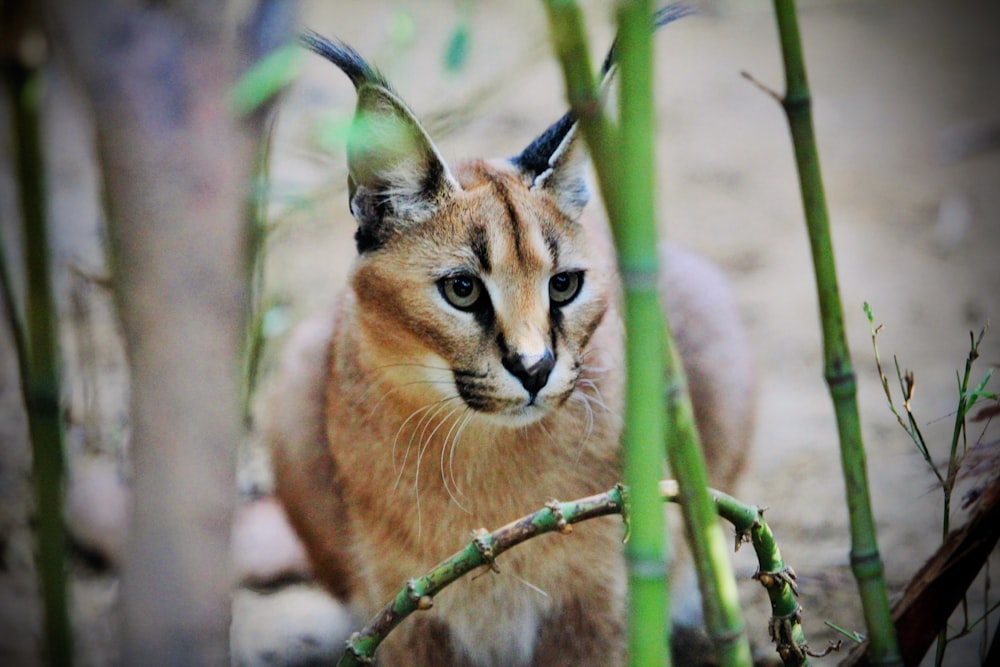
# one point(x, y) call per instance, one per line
point(532, 377)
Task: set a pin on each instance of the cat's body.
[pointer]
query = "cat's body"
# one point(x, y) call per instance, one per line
point(472, 372)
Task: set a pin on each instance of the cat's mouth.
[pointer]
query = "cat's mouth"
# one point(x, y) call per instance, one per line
point(487, 397)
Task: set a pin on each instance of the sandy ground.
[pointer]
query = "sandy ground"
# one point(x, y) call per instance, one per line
point(907, 106)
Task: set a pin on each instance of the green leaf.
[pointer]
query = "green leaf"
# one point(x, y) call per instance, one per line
point(457, 53)
point(854, 636)
point(266, 78)
point(402, 27)
point(331, 131)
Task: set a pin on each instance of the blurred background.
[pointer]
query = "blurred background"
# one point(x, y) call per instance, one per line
point(907, 110)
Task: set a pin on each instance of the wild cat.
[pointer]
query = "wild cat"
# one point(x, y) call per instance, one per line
point(471, 372)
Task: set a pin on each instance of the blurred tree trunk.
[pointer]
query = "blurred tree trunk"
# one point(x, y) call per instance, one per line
point(177, 165)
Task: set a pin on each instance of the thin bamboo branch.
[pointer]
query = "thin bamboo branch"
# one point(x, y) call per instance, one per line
point(418, 594)
point(777, 577)
point(482, 551)
point(257, 232)
point(939, 586)
point(866, 562)
point(38, 351)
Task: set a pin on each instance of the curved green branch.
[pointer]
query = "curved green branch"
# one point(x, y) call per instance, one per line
point(482, 551)
point(748, 520)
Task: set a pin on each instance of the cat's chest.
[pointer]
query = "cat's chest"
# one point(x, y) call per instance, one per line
point(495, 620)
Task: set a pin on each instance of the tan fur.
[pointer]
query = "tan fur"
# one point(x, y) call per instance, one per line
point(385, 470)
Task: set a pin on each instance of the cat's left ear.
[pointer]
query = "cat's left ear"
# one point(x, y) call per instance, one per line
point(556, 162)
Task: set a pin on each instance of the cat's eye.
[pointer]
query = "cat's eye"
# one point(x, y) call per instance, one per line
point(563, 287)
point(462, 291)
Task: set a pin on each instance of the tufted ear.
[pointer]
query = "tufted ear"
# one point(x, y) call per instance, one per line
point(556, 162)
point(396, 176)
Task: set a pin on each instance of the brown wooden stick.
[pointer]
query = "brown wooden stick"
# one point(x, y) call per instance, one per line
point(938, 587)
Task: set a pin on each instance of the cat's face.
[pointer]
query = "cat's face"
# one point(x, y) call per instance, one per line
point(475, 288)
point(488, 304)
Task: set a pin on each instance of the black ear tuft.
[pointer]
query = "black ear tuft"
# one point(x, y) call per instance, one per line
point(535, 159)
point(344, 57)
point(396, 175)
point(555, 162)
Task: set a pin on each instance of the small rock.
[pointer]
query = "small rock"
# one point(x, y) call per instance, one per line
point(953, 222)
point(296, 625)
point(97, 503)
point(265, 548)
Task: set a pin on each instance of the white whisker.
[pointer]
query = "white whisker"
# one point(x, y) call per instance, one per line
point(531, 586)
point(395, 440)
point(584, 400)
point(451, 455)
point(395, 389)
point(598, 397)
point(422, 446)
point(450, 443)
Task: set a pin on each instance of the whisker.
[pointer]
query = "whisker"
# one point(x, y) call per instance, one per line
point(422, 447)
point(584, 400)
point(531, 586)
point(545, 430)
point(395, 441)
point(390, 392)
point(598, 397)
point(422, 410)
point(451, 457)
point(596, 370)
point(450, 443)
point(401, 364)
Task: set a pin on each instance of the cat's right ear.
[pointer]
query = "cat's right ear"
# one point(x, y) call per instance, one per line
point(396, 174)
point(556, 163)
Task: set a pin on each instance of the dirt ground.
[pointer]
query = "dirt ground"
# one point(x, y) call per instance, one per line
point(907, 112)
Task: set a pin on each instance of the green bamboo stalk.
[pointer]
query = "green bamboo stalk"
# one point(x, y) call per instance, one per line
point(630, 199)
point(482, 551)
point(569, 42)
point(257, 231)
point(866, 563)
point(645, 426)
point(39, 358)
point(648, 330)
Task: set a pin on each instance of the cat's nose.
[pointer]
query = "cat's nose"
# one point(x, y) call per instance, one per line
point(532, 370)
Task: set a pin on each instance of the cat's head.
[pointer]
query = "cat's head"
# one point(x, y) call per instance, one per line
point(477, 286)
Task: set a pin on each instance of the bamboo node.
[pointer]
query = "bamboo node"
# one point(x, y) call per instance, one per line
point(561, 525)
point(743, 537)
point(358, 654)
point(485, 549)
point(780, 629)
point(778, 578)
point(411, 591)
point(626, 510)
